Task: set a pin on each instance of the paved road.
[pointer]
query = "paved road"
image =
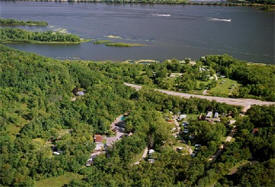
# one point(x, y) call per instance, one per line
point(244, 103)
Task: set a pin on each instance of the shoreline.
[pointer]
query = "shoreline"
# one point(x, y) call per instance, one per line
point(229, 4)
point(42, 42)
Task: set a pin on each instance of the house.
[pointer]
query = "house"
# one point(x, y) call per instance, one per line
point(209, 114)
point(98, 139)
point(216, 115)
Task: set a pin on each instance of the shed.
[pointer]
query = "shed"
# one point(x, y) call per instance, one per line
point(209, 114)
point(182, 116)
point(98, 138)
point(151, 151)
point(80, 93)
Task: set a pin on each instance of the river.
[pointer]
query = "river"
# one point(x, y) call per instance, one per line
point(169, 31)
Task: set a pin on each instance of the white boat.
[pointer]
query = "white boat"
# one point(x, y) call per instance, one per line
point(220, 19)
point(162, 15)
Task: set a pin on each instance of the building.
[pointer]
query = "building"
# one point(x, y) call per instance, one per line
point(216, 115)
point(181, 117)
point(77, 92)
point(151, 151)
point(209, 114)
point(98, 139)
point(80, 93)
point(56, 153)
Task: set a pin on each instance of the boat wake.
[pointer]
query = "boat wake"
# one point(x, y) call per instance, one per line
point(162, 15)
point(220, 19)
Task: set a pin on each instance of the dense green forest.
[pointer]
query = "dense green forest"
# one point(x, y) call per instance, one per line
point(11, 35)
point(14, 22)
point(38, 114)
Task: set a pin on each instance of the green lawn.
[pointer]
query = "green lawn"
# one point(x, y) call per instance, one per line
point(224, 87)
point(58, 181)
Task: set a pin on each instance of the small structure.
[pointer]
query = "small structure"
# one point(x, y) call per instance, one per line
point(209, 114)
point(78, 92)
point(151, 160)
point(181, 117)
point(56, 153)
point(216, 115)
point(151, 151)
point(99, 142)
point(98, 138)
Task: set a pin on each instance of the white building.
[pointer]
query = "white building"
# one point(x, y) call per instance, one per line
point(181, 117)
point(209, 114)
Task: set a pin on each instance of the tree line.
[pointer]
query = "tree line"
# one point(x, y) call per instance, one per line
point(15, 22)
point(20, 35)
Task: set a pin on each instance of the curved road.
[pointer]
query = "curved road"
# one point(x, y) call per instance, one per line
point(244, 103)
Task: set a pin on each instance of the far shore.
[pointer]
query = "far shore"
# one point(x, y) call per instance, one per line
point(245, 4)
point(43, 42)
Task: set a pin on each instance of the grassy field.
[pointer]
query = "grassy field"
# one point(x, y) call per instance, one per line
point(224, 87)
point(58, 181)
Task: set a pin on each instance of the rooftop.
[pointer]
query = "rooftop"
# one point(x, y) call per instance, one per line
point(98, 138)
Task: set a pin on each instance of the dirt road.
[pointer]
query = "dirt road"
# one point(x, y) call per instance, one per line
point(244, 103)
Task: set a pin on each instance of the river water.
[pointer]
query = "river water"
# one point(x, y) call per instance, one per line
point(169, 31)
